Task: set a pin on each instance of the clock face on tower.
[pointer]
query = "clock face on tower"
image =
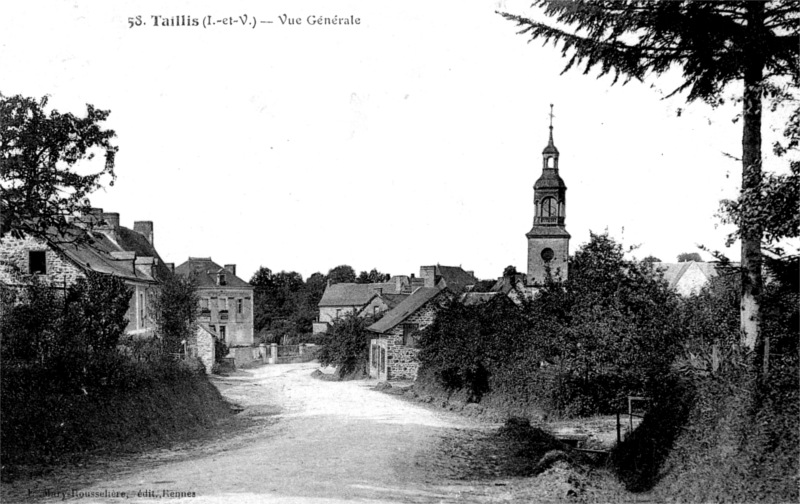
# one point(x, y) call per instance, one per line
point(547, 254)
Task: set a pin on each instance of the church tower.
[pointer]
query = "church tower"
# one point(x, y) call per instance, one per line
point(548, 241)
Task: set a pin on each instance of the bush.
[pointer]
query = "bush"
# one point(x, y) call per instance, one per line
point(346, 345)
point(74, 333)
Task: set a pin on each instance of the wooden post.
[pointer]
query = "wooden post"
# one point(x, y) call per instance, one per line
point(619, 427)
point(273, 350)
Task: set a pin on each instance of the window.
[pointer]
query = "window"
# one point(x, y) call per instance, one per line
point(549, 207)
point(376, 310)
point(37, 262)
point(141, 310)
point(551, 162)
point(222, 332)
point(213, 328)
point(222, 304)
point(338, 312)
point(408, 334)
point(239, 306)
point(204, 303)
point(221, 279)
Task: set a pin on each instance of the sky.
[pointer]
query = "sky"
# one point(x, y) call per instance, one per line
point(411, 138)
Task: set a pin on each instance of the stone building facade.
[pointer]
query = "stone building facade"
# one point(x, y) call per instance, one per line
point(113, 250)
point(226, 301)
point(394, 353)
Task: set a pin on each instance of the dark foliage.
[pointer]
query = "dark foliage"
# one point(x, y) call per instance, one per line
point(373, 276)
point(689, 256)
point(176, 308)
point(38, 151)
point(342, 274)
point(346, 345)
point(73, 331)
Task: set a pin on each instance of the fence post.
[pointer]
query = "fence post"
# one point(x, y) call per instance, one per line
point(263, 349)
point(273, 350)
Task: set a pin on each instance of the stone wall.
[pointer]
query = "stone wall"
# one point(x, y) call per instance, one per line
point(202, 347)
point(15, 263)
point(402, 360)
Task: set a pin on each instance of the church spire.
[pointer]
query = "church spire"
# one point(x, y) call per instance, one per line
point(550, 153)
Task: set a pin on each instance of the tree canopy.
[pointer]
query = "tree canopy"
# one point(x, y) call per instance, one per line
point(374, 276)
point(342, 274)
point(689, 256)
point(39, 152)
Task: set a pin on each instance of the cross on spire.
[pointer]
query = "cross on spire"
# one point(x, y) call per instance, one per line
point(551, 125)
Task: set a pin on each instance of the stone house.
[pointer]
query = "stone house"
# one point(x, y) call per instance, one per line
point(226, 301)
point(340, 299)
point(393, 352)
point(60, 261)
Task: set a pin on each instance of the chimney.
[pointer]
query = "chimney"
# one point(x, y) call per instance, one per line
point(112, 220)
point(231, 268)
point(91, 218)
point(145, 228)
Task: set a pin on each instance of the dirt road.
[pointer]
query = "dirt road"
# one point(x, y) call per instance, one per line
point(308, 441)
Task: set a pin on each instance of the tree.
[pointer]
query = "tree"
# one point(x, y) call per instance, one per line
point(346, 345)
point(510, 271)
point(651, 259)
point(38, 154)
point(342, 274)
point(374, 276)
point(715, 44)
point(262, 310)
point(176, 306)
point(689, 256)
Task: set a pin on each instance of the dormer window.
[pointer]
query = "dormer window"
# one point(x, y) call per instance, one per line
point(37, 262)
point(221, 279)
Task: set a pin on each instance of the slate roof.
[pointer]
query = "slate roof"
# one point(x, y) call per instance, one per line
point(406, 308)
point(393, 300)
point(131, 241)
point(673, 272)
point(455, 277)
point(476, 298)
point(96, 254)
point(206, 271)
point(354, 294)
